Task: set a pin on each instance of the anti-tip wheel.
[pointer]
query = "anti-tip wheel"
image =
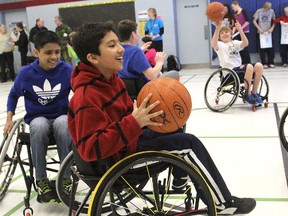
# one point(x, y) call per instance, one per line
point(266, 104)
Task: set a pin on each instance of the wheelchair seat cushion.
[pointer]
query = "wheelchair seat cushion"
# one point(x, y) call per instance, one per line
point(25, 138)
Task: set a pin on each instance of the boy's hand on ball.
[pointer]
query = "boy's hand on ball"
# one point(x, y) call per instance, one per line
point(218, 23)
point(142, 113)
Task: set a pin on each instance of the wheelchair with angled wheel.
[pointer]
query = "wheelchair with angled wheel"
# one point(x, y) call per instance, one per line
point(139, 184)
point(11, 155)
point(283, 129)
point(224, 86)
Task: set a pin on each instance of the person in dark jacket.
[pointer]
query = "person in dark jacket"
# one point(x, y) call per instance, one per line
point(37, 28)
point(22, 43)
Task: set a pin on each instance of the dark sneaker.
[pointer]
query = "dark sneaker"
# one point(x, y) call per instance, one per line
point(250, 99)
point(179, 184)
point(258, 99)
point(237, 206)
point(46, 193)
point(67, 185)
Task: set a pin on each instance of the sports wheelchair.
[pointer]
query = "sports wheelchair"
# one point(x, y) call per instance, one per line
point(224, 86)
point(11, 155)
point(283, 129)
point(139, 184)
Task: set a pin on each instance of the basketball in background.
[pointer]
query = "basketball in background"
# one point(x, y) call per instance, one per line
point(215, 11)
point(175, 101)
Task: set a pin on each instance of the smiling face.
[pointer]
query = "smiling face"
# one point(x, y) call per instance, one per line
point(225, 35)
point(49, 56)
point(110, 59)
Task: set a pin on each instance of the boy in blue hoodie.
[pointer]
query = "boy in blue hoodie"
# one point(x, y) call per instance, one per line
point(45, 85)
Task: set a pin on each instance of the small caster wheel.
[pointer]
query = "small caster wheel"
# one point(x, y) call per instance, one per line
point(217, 101)
point(266, 104)
point(254, 108)
point(28, 211)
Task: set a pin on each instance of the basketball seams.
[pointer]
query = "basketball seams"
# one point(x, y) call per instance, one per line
point(168, 92)
point(166, 106)
point(178, 94)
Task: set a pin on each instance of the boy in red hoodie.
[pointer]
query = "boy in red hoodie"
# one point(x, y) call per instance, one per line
point(283, 20)
point(104, 122)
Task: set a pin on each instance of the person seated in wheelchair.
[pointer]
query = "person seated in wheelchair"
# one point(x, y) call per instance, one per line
point(229, 57)
point(150, 51)
point(45, 85)
point(104, 122)
point(135, 63)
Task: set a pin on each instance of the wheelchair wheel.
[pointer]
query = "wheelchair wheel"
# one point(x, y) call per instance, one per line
point(64, 173)
point(283, 130)
point(264, 90)
point(82, 189)
point(8, 159)
point(157, 197)
point(221, 90)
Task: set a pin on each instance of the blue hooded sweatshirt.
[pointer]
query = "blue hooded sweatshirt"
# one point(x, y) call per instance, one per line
point(45, 92)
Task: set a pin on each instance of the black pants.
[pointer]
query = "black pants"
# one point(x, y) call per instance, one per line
point(270, 56)
point(158, 45)
point(7, 58)
point(193, 151)
point(245, 56)
point(23, 54)
point(284, 51)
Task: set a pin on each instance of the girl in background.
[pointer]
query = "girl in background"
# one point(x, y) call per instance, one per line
point(6, 54)
point(242, 18)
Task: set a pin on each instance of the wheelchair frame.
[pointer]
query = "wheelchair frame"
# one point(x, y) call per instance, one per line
point(135, 188)
point(224, 86)
point(10, 156)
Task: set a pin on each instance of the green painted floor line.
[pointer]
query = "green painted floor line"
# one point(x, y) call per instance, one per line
point(19, 205)
point(272, 199)
point(19, 176)
point(188, 79)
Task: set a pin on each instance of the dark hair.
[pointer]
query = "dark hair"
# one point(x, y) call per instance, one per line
point(235, 3)
point(125, 29)
point(146, 39)
point(89, 37)
point(20, 25)
point(44, 37)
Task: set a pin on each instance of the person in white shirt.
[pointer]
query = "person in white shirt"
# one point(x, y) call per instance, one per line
point(229, 57)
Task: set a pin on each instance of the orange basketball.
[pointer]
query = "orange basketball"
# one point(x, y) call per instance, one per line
point(175, 101)
point(215, 11)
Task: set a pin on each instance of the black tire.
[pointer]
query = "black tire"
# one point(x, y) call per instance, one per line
point(221, 90)
point(9, 147)
point(82, 189)
point(65, 167)
point(158, 201)
point(283, 129)
point(264, 88)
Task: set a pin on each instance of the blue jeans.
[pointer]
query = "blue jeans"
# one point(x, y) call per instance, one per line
point(40, 129)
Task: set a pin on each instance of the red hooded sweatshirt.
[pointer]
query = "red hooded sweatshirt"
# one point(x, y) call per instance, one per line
point(99, 119)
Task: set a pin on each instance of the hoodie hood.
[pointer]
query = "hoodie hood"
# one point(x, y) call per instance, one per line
point(85, 74)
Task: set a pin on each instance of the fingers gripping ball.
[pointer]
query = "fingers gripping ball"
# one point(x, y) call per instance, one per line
point(215, 11)
point(175, 101)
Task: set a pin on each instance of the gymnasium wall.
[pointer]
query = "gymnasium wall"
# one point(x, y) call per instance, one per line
point(164, 8)
point(251, 7)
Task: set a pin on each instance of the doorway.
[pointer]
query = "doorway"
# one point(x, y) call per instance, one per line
point(192, 32)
